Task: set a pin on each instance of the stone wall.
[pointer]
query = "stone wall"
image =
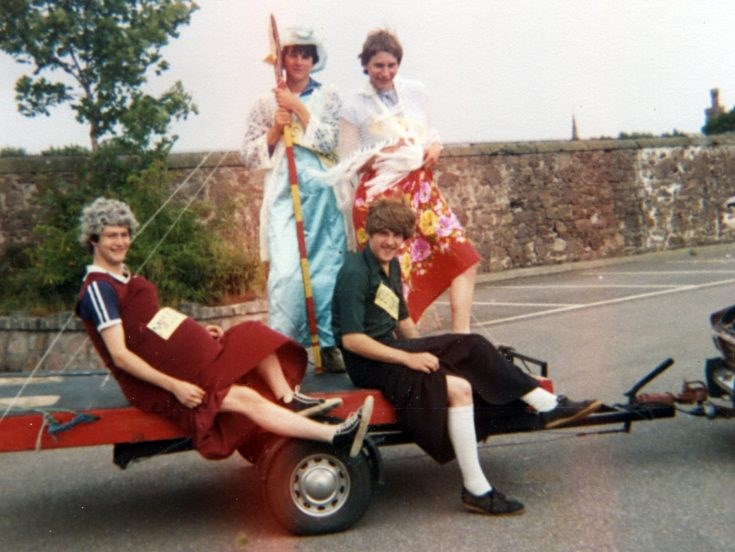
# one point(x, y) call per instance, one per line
point(523, 205)
point(543, 203)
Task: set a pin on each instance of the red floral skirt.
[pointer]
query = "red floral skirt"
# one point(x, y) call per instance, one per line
point(437, 253)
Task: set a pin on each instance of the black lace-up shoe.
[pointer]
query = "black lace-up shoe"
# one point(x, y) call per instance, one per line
point(306, 405)
point(492, 503)
point(351, 432)
point(568, 411)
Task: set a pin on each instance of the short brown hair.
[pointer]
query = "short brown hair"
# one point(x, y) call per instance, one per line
point(306, 50)
point(380, 41)
point(390, 214)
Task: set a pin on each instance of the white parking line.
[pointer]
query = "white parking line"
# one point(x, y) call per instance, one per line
point(606, 302)
point(511, 304)
point(576, 286)
point(506, 304)
point(707, 261)
point(33, 401)
point(658, 272)
point(21, 380)
point(560, 286)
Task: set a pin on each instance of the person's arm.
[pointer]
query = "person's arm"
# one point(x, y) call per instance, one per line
point(407, 329)
point(365, 346)
point(431, 154)
point(263, 130)
point(186, 393)
point(419, 99)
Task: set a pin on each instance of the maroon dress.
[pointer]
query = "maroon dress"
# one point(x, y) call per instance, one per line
point(191, 353)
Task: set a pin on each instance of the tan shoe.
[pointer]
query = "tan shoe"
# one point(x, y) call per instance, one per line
point(332, 361)
point(568, 411)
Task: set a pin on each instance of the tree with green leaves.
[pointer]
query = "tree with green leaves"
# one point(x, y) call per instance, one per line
point(192, 252)
point(95, 55)
point(720, 124)
point(106, 47)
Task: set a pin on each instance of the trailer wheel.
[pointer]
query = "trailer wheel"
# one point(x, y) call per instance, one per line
point(312, 489)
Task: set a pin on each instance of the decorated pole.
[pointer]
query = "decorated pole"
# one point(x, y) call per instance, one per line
point(275, 58)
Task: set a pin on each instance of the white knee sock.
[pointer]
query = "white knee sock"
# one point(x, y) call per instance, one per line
point(540, 400)
point(461, 427)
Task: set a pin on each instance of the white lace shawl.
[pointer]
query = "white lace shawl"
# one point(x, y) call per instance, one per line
point(324, 106)
point(367, 127)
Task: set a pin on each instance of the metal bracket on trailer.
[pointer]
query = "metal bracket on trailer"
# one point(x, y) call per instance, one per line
point(124, 454)
point(638, 408)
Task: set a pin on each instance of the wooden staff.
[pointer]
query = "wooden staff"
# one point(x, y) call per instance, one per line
point(296, 199)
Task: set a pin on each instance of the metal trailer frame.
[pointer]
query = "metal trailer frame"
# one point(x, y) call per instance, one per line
point(310, 487)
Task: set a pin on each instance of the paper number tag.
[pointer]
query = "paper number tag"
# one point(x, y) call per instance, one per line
point(165, 322)
point(387, 300)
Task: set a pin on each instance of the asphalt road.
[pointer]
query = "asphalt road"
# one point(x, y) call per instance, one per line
point(667, 485)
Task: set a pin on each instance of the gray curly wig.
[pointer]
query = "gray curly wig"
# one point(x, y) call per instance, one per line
point(104, 212)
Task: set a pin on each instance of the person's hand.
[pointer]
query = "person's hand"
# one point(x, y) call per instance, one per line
point(188, 394)
point(287, 99)
point(282, 117)
point(422, 362)
point(431, 155)
point(215, 331)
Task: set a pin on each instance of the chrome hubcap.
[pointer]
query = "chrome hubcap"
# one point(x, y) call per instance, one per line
point(320, 485)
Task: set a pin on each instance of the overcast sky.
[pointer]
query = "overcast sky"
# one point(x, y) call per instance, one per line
point(496, 70)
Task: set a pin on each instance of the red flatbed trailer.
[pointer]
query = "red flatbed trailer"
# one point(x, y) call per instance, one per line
point(88, 409)
point(310, 487)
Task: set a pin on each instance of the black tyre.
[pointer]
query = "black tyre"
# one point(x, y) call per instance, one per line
point(312, 489)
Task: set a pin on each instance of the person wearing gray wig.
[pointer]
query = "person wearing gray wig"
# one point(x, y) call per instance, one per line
point(104, 212)
point(218, 386)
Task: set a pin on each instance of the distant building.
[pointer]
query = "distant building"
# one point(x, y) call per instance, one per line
point(716, 109)
point(575, 134)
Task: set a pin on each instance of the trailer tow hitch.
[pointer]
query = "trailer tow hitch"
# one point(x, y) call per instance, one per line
point(692, 393)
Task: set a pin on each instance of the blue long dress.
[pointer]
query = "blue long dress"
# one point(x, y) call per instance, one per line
point(314, 150)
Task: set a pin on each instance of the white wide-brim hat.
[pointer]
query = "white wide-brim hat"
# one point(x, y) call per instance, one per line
point(304, 36)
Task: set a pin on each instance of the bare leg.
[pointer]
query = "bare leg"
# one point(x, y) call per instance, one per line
point(272, 373)
point(461, 292)
point(274, 418)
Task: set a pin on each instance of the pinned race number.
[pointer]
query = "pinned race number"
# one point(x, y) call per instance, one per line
point(387, 300)
point(165, 322)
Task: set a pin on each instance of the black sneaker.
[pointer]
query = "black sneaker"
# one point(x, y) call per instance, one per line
point(305, 405)
point(351, 432)
point(567, 411)
point(332, 361)
point(492, 503)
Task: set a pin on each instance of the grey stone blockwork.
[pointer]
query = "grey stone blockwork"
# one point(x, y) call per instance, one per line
point(523, 204)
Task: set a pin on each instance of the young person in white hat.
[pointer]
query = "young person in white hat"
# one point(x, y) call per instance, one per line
point(313, 111)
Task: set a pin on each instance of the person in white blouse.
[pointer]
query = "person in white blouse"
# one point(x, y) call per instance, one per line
point(388, 148)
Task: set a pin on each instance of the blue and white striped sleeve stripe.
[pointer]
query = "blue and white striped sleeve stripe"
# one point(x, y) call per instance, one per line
point(100, 306)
